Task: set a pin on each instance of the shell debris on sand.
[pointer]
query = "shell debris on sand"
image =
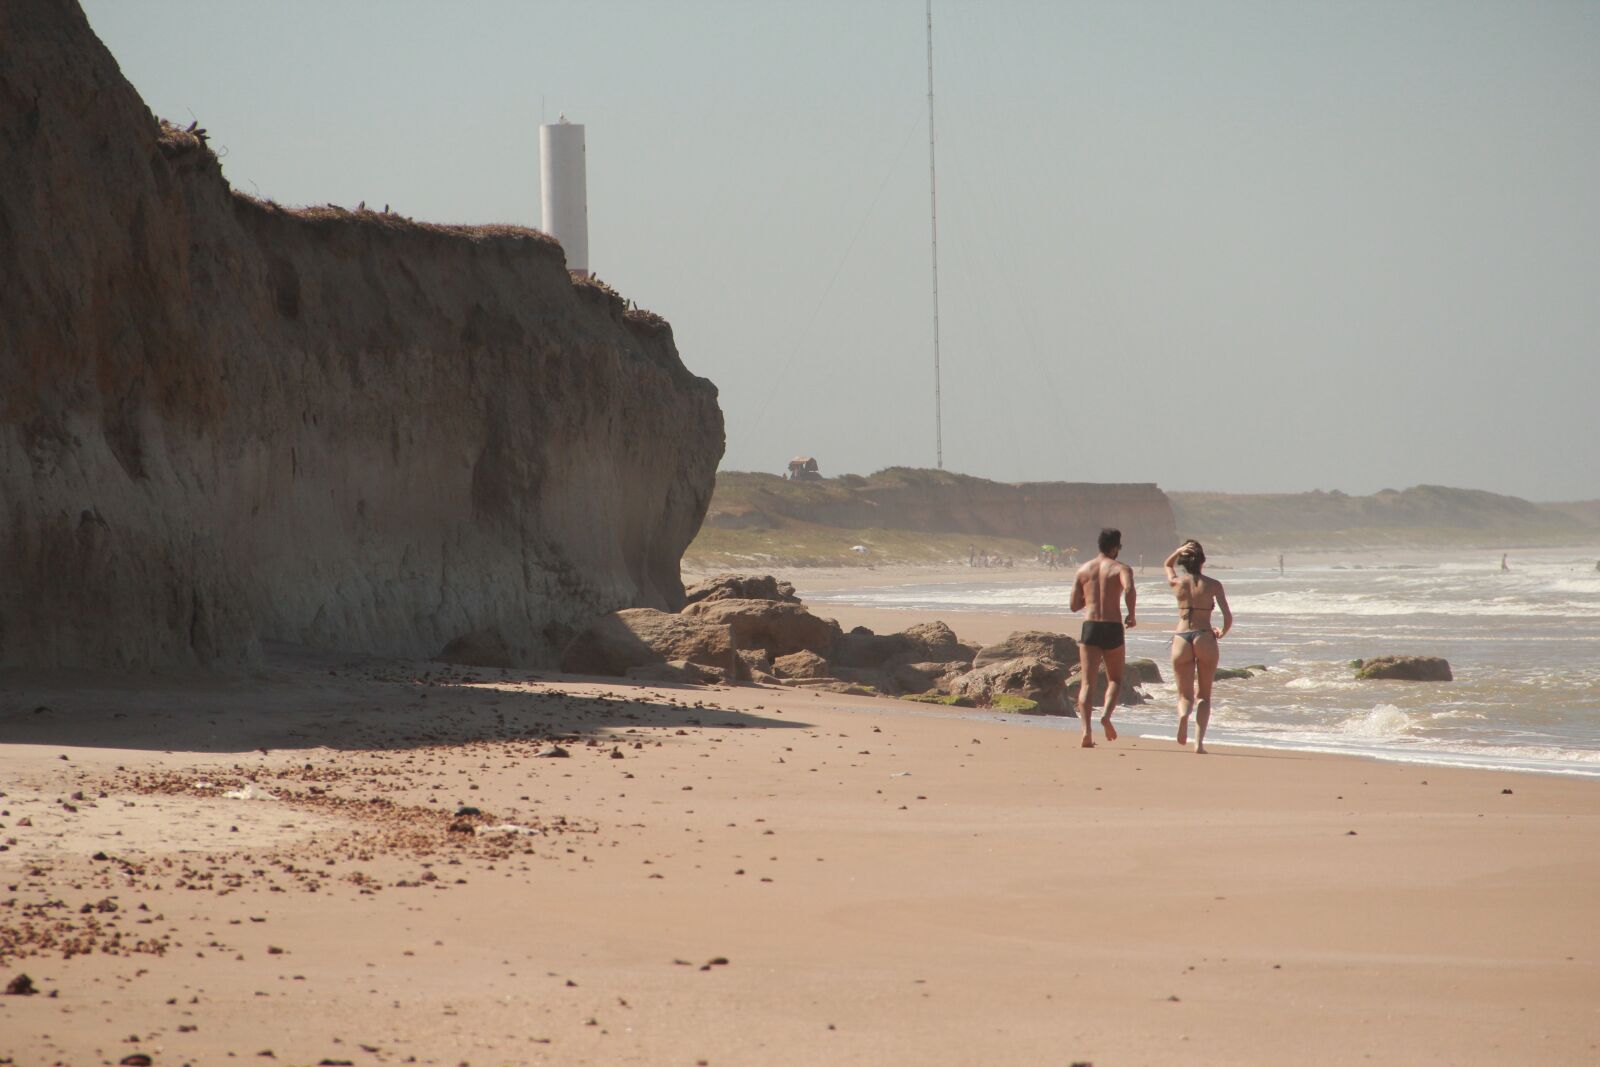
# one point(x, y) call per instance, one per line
point(342, 822)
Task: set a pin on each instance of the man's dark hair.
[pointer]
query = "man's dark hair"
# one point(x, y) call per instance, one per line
point(1110, 539)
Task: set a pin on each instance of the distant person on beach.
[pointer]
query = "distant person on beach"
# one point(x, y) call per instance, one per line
point(1280, 564)
point(1503, 562)
point(1194, 644)
point(1096, 589)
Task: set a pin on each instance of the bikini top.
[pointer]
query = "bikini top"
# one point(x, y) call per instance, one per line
point(1193, 607)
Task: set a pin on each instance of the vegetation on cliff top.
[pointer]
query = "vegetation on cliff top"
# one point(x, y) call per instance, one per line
point(1422, 515)
point(760, 519)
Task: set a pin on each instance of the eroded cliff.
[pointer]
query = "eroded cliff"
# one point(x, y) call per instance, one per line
point(222, 421)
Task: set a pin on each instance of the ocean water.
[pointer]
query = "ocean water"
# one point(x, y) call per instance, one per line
point(1524, 646)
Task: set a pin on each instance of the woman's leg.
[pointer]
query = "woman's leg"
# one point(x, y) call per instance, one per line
point(1183, 671)
point(1206, 655)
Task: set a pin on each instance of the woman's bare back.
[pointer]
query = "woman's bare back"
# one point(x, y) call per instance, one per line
point(1197, 597)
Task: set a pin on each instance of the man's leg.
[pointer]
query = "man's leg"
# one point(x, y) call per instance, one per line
point(1115, 657)
point(1088, 671)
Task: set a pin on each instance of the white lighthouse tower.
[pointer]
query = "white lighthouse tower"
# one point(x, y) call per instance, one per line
point(563, 193)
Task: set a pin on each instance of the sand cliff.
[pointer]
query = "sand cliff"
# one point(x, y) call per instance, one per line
point(222, 421)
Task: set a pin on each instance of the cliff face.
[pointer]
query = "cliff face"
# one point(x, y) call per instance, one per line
point(221, 421)
point(1061, 513)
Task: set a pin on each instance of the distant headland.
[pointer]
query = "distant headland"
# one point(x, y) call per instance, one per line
point(910, 515)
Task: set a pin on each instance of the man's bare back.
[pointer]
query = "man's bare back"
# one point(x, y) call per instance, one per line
point(1097, 590)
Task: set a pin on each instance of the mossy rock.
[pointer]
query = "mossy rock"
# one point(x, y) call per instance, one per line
point(945, 699)
point(1013, 705)
point(1235, 672)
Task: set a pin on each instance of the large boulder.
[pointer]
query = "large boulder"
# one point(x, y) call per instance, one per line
point(1042, 643)
point(1405, 668)
point(776, 627)
point(801, 664)
point(877, 678)
point(741, 587)
point(1140, 671)
point(753, 662)
point(922, 677)
point(861, 648)
point(931, 642)
point(1034, 678)
point(636, 637)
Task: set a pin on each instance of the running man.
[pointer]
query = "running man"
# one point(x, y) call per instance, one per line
point(1096, 590)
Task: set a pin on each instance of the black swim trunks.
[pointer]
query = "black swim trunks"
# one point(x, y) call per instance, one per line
point(1102, 635)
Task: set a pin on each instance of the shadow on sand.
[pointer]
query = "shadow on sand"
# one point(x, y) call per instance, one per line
point(303, 699)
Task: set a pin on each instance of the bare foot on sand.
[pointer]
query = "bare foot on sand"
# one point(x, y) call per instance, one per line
point(1183, 729)
point(1199, 750)
point(1111, 731)
point(1087, 742)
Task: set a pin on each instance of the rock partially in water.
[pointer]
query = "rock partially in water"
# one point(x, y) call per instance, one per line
point(1141, 672)
point(1404, 668)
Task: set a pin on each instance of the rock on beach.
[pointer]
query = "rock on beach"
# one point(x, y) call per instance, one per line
point(1404, 668)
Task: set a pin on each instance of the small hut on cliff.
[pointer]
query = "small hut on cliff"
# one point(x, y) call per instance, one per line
point(804, 469)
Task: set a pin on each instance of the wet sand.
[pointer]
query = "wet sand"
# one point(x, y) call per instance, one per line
point(885, 883)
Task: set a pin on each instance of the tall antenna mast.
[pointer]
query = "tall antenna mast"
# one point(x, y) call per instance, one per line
point(933, 218)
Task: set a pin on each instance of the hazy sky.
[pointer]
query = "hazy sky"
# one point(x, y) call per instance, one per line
point(1246, 246)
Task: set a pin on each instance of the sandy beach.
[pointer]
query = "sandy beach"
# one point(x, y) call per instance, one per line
point(754, 875)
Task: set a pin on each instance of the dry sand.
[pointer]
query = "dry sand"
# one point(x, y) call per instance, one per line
point(886, 883)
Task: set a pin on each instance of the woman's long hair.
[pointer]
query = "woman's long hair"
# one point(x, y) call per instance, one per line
point(1192, 557)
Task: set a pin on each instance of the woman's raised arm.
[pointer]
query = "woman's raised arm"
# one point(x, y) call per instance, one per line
point(1169, 564)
